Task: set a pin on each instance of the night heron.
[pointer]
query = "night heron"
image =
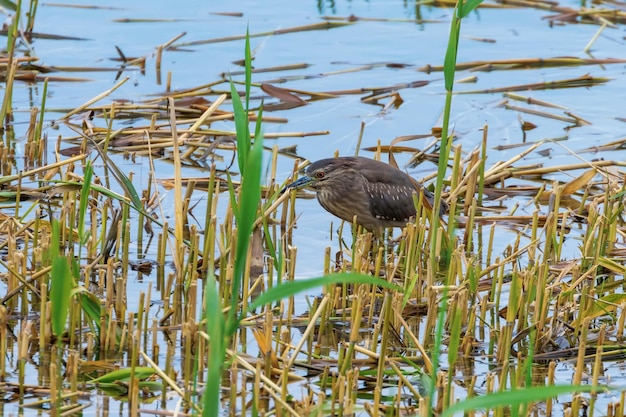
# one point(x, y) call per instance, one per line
point(378, 194)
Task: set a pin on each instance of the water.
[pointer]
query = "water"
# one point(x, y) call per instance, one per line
point(518, 33)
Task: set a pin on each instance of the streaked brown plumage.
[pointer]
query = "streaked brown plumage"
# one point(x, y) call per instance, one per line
point(378, 194)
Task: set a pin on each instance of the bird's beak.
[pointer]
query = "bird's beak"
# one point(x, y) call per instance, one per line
point(301, 183)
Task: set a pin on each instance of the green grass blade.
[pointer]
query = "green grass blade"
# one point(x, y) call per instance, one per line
point(516, 397)
point(258, 133)
point(121, 178)
point(441, 316)
point(61, 284)
point(468, 7)
point(449, 63)
point(60, 290)
point(231, 194)
point(42, 113)
point(248, 205)
point(8, 5)
point(141, 373)
point(455, 336)
point(288, 289)
point(242, 128)
point(119, 175)
point(248, 61)
point(53, 249)
point(114, 389)
point(89, 303)
point(128, 187)
point(84, 199)
point(215, 329)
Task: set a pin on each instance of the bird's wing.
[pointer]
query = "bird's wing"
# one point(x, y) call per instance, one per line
point(390, 202)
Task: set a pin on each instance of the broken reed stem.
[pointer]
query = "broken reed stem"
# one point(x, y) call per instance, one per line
point(595, 37)
point(201, 120)
point(178, 193)
point(94, 100)
point(159, 55)
point(5, 111)
point(314, 26)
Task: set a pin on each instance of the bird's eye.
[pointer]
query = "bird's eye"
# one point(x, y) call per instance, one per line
point(320, 174)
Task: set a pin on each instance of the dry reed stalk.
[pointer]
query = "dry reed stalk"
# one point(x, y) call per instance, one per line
point(597, 365)
point(136, 141)
point(47, 69)
point(159, 55)
point(495, 173)
point(525, 63)
point(95, 99)
point(534, 112)
point(609, 17)
point(469, 181)
point(170, 383)
point(199, 122)
point(5, 110)
point(178, 203)
point(7, 60)
point(533, 101)
point(50, 168)
point(405, 381)
point(13, 289)
point(467, 80)
point(353, 18)
point(595, 37)
point(268, 385)
point(308, 331)
point(287, 67)
point(313, 26)
point(582, 81)
point(610, 146)
point(569, 167)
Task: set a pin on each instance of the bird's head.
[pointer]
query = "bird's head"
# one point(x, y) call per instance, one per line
point(324, 173)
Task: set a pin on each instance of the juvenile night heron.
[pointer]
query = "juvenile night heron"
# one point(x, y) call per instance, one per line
point(378, 194)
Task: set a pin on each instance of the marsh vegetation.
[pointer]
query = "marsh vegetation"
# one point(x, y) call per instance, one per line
point(151, 265)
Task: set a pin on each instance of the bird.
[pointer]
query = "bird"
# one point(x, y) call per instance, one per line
point(378, 194)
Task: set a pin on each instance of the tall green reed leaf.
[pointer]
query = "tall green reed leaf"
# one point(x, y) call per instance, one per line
point(82, 209)
point(42, 113)
point(449, 62)
point(248, 207)
point(125, 375)
point(64, 287)
point(291, 288)
point(61, 284)
point(32, 12)
point(215, 329)
point(242, 128)
point(122, 179)
point(248, 63)
point(468, 7)
point(250, 160)
point(8, 5)
point(516, 398)
point(461, 9)
point(242, 114)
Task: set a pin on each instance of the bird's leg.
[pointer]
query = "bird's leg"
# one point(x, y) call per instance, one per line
point(391, 241)
point(365, 246)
